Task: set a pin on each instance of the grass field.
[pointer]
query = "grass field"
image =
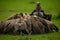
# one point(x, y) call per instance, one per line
point(9, 7)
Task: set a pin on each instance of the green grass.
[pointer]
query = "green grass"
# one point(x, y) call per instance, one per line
point(50, 36)
point(9, 7)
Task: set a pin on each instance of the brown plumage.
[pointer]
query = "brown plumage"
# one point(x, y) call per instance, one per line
point(27, 24)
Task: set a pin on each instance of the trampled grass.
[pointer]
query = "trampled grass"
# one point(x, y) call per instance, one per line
point(9, 7)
